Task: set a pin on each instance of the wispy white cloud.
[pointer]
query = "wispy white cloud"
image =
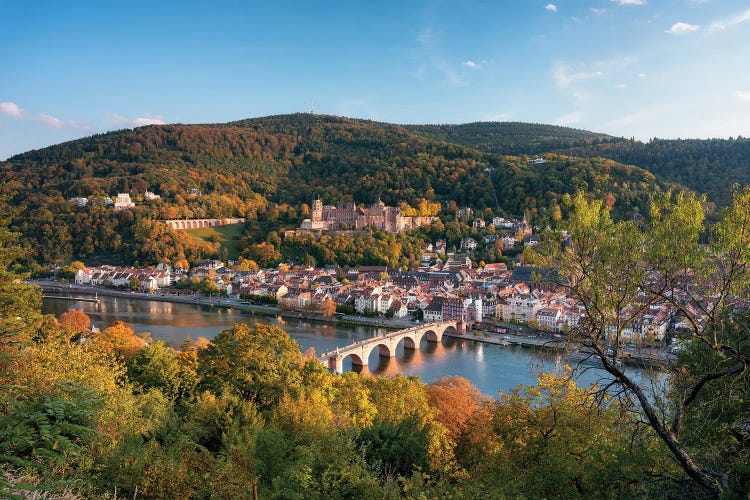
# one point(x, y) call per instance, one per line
point(551, 7)
point(470, 64)
point(498, 117)
point(730, 22)
point(428, 42)
point(581, 97)
point(598, 12)
point(569, 119)
point(743, 95)
point(642, 75)
point(636, 117)
point(56, 123)
point(682, 29)
point(141, 121)
point(11, 109)
point(620, 85)
point(629, 2)
point(564, 76)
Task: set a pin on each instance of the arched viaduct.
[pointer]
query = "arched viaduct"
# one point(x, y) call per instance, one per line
point(386, 344)
point(199, 223)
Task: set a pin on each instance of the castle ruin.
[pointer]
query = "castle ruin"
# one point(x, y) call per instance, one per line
point(348, 215)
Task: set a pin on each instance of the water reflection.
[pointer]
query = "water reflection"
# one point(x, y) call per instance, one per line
point(489, 367)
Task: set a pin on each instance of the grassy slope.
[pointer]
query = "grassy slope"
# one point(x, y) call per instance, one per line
point(228, 237)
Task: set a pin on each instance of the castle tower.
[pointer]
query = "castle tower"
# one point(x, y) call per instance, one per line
point(317, 210)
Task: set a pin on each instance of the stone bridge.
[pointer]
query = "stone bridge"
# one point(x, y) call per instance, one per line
point(386, 344)
point(199, 223)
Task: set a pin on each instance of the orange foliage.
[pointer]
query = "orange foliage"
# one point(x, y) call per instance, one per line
point(119, 338)
point(328, 307)
point(74, 322)
point(456, 400)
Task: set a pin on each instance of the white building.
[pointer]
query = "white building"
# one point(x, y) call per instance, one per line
point(549, 318)
point(123, 201)
point(521, 308)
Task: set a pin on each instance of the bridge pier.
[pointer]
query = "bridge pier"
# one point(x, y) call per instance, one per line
point(357, 361)
point(336, 363)
point(386, 351)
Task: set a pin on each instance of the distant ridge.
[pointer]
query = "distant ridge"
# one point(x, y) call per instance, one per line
point(711, 166)
point(513, 138)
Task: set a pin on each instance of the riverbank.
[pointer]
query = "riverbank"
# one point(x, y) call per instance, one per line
point(528, 339)
point(62, 291)
point(651, 358)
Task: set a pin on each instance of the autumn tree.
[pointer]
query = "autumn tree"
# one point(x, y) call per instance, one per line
point(328, 307)
point(74, 322)
point(120, 339)
point(456, 399)
point(618, 271)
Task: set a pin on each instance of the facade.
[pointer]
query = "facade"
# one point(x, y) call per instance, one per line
point(549, 318)
point(454, 308)
point(347, 215)
point(123, 201)
point(521, 308)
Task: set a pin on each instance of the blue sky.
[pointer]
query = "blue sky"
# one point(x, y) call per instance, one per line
point(640, 68)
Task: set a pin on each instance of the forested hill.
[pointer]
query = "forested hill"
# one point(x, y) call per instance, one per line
point(291, 158)
point(709, 166)
point(512, 138)
point(265, 169)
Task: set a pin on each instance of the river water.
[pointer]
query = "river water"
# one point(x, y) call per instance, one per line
point(490, 367)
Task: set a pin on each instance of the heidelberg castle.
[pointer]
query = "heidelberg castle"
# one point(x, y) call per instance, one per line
point(347, 215)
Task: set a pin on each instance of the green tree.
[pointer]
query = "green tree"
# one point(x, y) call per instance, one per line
point(20, 303)
point(396, 449)
point(618, 271)
point(259, 363)
point(159, 367)
point(551, 440)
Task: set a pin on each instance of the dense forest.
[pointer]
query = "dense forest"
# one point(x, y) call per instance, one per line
point(710, 166)
point(267, 170)
point(513, 138)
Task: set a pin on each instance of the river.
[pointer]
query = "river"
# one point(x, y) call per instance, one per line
point(490, 367)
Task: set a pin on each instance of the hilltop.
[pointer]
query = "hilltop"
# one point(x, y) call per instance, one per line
point(267, 169)
point(710, 166)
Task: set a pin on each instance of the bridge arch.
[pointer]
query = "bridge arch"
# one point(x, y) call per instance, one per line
point(384, 351)
point(356, 359)
point(430, 335)
point(409, 342)
point(450, 329)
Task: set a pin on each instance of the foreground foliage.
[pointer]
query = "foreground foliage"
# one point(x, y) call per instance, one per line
point(109, 414)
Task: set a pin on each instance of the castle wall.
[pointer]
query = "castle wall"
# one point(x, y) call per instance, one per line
point(346, 215)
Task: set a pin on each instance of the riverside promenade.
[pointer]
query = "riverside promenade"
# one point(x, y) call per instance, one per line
point(523, 337)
